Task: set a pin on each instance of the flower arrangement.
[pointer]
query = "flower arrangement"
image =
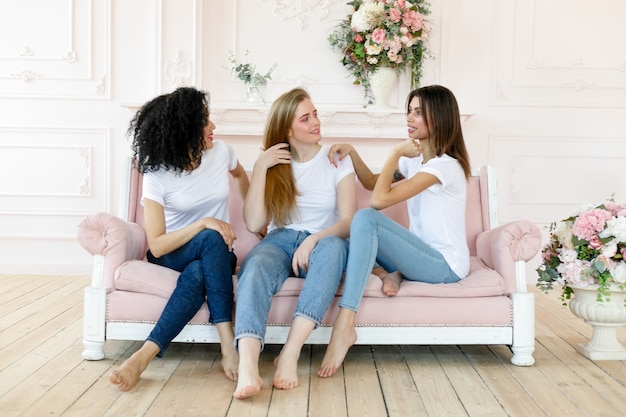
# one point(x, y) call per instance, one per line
point(247, 72)
point(379, 33)
point(586, 248)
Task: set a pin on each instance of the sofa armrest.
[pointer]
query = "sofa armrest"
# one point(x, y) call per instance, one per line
point(115, 240)
point(503, 247)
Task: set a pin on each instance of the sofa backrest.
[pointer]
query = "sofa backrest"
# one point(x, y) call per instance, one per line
point(477, 216)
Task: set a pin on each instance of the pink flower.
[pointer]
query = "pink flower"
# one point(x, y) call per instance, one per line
point(400, 3)
point(395, 15)
point(595, 242)
point(358, 38)
point(379, 35)
point(590, 222)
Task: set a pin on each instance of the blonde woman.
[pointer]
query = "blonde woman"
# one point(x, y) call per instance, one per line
point(308, 204)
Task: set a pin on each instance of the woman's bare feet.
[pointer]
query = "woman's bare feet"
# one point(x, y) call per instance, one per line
point(230, 358)
point(230, 365)
point(341, 339)
point(127, 375)
point(286, 374)
point(249, 382)
point(391, 283)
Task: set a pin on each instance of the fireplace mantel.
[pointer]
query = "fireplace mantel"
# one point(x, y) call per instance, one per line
point(337, 122)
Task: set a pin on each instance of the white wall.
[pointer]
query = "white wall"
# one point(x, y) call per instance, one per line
point(543, 80)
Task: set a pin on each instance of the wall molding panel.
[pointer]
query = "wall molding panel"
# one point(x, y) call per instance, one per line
point(577, 62)
point(545, 178)
point(71, 166)
point(57, 48)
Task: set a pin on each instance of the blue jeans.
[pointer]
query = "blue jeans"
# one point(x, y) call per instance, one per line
point(206, 267)
point(268, 265)
point(374, 237)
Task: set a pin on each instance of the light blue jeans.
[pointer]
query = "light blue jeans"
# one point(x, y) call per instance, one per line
point(374, 237)
point(268, 265)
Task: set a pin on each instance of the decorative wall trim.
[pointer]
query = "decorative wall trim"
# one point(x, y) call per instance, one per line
point(303, 12)
point(71, 61)
point(544, 178)
point(536, 65)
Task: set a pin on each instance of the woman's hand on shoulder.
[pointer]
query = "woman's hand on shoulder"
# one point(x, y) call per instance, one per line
point(338, 151)
point(274, 155)
point(223, 228)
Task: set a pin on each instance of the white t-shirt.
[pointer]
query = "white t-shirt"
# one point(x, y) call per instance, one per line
point(190, 196)
point(316, 182)
point(437, 214)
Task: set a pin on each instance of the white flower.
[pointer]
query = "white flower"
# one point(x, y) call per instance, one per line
point(372, 48)
point(363, 19)
point(618, 272)
point(568, 255)
point(575, 272)
point(360, 21)
point(615, 227)
point(609, 249)
point(563, 232)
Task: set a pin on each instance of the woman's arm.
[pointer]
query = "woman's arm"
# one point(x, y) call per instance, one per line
point(384, 195)
point(363, 173)
point(162, 243)
point(241, 180)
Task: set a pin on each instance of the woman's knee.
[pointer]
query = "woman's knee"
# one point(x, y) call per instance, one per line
point(365, 216)
point(212, 240)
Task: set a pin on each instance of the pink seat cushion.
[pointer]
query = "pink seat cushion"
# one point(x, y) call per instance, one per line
point(482, 282)
point(144, 277)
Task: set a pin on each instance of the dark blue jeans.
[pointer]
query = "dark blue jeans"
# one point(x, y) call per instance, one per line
point(206, 267)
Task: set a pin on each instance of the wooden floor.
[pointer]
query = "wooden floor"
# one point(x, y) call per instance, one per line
point(42, 373)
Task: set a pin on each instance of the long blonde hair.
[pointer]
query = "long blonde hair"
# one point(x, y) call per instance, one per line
point(280, 185)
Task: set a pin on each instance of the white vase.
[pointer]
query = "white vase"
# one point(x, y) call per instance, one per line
point(382, 82)
point(604, 317)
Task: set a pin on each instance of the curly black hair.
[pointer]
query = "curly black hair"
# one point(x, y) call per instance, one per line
point(167, 131)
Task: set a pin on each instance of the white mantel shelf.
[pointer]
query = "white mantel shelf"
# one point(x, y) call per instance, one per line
point(337, 122)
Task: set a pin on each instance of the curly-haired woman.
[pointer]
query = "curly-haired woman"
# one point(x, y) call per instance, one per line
point(185, 199)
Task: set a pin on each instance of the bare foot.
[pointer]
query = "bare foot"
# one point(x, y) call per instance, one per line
point(249, 382)
point(391, 283)
point(248, 386)
point(230, 358)
point(286, 374)
point(230, 364)
point(127, 375)
point(342, 338)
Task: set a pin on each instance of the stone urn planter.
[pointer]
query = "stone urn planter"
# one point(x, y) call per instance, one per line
point(604, 317)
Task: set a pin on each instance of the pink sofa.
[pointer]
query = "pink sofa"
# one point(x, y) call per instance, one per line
point(490, 306)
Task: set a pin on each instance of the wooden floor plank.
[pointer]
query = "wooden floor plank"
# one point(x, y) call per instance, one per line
point(188, 384)
point(363, 395)
point(397, 384)
point(75, 384)
point(294, 402)
point(102, 395)
point(433, 385)
point(43, 374)
point(327, 395)
point(504, 387)
point(19, 323)
point(469, 387)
